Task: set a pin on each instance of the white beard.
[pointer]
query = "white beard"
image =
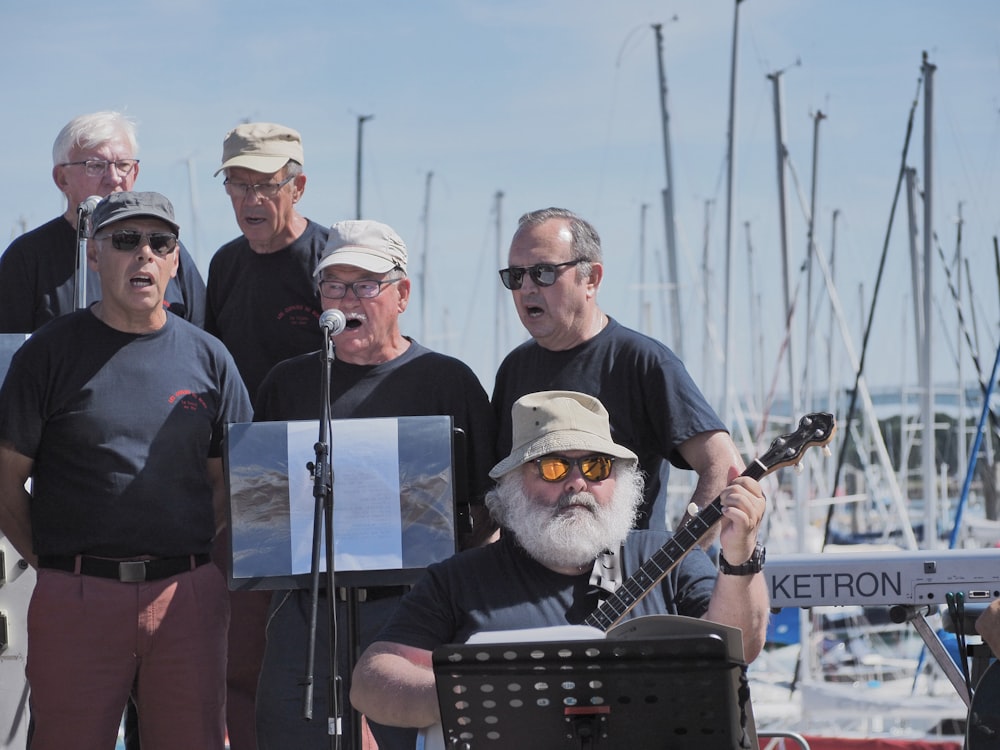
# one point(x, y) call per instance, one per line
point(558, 538)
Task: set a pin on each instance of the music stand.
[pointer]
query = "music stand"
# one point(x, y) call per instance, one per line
point(676, 692)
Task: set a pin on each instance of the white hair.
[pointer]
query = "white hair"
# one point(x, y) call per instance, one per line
point(565, 540)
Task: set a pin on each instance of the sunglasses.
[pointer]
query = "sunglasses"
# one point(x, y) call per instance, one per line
point(543, 274)
point(595, 468)
point(161, 243)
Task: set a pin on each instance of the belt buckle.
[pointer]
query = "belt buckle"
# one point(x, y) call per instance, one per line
point(132, 571)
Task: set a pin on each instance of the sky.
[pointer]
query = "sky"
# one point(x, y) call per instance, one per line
point(479, 111)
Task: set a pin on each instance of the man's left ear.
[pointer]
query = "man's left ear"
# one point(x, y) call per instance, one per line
point(596, 274)
point(403, 287)
point(299, 186)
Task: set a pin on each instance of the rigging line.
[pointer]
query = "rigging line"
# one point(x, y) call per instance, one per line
point(996, 261)
point(476, 303)
point(871, 312)
point(782, 350)
point(965, 330)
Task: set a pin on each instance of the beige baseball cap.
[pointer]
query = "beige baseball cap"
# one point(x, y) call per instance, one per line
point(556, 421)
point(363, 243)
point(261, 146)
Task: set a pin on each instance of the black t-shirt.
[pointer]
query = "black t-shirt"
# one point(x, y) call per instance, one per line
point(653, 404)
point(264, 306)
point(120, 426)
point(37, 280)
point(500, 587)
point(419, 382)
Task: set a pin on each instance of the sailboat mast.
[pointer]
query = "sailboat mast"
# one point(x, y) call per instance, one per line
point(928, 445)
point(810, 340)
point(673, 286)
point(500, 338)
point(357, 168)
point(425, 327)
point(643, 322)
point(779, 129)
point(726, 412)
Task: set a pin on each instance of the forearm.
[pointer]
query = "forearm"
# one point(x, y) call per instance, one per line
point(988, 626)
point(394, 685)
point(711, 455)
point(742, 602)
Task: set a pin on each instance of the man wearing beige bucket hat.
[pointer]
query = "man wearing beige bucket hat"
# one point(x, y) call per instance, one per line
point(566, 497)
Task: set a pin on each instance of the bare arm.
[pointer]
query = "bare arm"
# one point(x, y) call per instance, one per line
point(988, 626)
point(741, 601)
point(710, 454)
point(393, 685)
point(15, 513)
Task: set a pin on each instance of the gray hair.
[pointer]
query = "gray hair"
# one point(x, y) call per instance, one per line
point(90, 131)
point(586, 242)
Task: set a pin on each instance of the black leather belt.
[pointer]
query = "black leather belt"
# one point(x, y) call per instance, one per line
point(373, 593)
point(127, 571)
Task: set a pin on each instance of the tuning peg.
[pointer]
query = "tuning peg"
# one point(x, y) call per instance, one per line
point(826, 451)
point(798, 468)
point(692, 509)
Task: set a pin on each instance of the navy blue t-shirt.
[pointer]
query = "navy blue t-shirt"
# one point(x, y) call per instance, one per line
point(653, 404)
point(120, 427)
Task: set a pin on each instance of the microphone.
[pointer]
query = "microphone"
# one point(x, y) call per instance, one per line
point(88, 205)
point(333, 322)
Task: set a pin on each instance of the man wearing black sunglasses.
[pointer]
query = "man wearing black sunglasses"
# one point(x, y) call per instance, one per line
point(94, 154)
point(554, 273)
point(566, 497)
point(116, 413)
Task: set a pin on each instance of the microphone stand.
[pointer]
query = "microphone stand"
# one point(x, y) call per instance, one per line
point(322, 471)
point(80, 273)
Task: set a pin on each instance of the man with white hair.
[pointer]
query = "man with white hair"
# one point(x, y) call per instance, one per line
point(93, 154)
point(566, 499)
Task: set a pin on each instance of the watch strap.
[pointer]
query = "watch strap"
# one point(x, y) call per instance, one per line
point(754, 565)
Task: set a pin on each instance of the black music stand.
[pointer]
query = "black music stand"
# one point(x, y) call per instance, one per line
point(676, 692)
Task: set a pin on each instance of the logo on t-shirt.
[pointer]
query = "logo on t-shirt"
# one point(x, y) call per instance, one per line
point(299, 315)
point(188, 400)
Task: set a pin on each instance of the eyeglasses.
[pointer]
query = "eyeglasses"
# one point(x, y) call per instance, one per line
point(595, 468)
point(263, 191)
point(366, 289)
point(161, 243)
point(97, 167)
point(543, 274)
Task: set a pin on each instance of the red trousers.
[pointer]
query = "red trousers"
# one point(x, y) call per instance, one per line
point(93, 641)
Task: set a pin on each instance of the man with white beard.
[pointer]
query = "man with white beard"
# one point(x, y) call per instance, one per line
point(566, 499)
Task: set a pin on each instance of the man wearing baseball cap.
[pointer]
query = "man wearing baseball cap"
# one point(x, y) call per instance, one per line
point(377, 372)
point(262, 299)
point(566, 498)
point(116, 413)
point(262, 304)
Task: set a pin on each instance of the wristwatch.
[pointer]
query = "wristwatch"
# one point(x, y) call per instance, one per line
point(754, 565)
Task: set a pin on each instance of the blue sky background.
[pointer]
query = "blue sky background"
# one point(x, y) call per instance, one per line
point(555, 102)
